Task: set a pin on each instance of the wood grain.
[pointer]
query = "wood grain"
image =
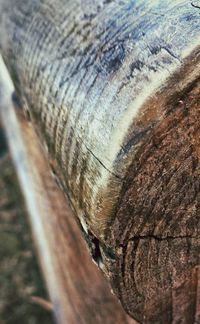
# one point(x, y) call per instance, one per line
point(112, 88)
point(78, 291)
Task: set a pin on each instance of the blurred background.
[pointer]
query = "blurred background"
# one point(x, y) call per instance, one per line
point(23, 297)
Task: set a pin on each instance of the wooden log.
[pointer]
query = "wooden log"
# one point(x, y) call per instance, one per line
point(78, 291)
point(113, 89)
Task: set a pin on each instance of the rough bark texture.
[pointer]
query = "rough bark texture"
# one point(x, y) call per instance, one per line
point(113, 88)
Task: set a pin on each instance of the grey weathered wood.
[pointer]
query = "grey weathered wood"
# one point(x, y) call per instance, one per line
point(79, 293)
point(108, 86)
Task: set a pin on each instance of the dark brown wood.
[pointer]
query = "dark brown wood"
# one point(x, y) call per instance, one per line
point(112, 87)
point(156, 230)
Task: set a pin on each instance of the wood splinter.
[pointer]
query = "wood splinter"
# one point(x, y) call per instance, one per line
point(113, 88)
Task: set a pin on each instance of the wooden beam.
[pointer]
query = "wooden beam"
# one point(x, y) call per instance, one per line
point(76, 287)
point(112, 88)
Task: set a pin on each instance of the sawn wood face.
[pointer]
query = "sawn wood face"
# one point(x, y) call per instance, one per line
point(112, 88)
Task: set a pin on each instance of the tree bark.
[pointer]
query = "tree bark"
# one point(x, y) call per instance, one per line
point(113, 89)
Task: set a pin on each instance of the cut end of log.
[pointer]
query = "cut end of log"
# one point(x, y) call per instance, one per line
point(113, 89)
point(155, 234)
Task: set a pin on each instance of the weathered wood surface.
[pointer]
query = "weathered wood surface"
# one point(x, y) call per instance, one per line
point(77, 289)
point(113, 88)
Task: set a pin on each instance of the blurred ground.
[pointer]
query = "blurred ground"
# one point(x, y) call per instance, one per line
point(20, 278)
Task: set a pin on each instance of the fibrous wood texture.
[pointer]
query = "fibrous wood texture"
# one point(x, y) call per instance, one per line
point(113, 88)
point(79, 293)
